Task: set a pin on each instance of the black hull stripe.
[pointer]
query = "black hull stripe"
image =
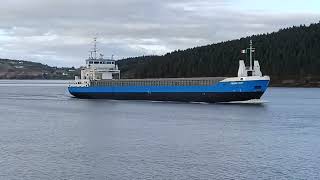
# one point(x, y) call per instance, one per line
point(181, 97)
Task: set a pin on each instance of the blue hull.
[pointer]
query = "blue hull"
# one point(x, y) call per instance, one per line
point(220, 92)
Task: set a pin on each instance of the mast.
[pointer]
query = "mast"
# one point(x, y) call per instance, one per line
point(250, 54)
point(95, 47)
point(93, 52)
point(251, 50)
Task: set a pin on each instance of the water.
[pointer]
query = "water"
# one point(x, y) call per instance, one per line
point(46, 134)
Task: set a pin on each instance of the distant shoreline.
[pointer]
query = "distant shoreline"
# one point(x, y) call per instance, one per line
point(293, 86)
point(296, 83)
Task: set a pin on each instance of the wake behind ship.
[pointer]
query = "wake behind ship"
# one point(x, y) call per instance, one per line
point(100, 79)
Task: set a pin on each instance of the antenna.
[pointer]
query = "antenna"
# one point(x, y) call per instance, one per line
point(95, 47)
point(251, 50)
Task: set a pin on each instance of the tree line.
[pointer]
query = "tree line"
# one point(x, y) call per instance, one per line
point(290, 53)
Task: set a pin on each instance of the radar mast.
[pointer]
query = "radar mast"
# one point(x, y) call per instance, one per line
point(251, 51)
point(93, 52)
point(95, 47)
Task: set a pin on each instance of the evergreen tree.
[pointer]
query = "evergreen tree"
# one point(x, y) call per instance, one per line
point(290, 53)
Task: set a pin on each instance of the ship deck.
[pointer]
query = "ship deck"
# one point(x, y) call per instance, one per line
point(201, 81)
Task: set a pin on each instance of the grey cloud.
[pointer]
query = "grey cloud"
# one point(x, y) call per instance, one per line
point(59, 32)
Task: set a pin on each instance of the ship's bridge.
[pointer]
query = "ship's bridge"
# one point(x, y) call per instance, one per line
point(101, 63)
point(97, 69)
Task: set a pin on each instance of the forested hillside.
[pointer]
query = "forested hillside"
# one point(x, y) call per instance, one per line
point(18, 69)
point(290, 56)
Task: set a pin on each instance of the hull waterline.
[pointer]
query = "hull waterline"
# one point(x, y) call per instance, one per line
point(179, 97)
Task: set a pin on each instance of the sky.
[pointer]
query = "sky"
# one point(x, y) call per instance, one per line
point(60, 32)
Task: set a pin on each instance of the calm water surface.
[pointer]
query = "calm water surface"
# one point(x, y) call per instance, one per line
point(46, 134)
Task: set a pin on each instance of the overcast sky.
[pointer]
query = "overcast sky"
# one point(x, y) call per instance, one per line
point(59, 32)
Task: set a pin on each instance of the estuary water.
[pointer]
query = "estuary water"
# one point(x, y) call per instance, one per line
point(47, 134)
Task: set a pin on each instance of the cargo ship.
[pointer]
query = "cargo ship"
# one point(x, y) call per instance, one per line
point(100, 79)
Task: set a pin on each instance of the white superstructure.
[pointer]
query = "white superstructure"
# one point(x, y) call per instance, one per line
point(253, 69)
point(97, 69)
point(248, 73)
